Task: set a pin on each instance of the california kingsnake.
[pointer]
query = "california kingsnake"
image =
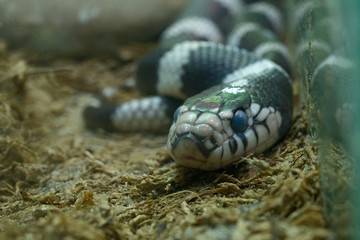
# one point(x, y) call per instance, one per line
point(238, 93)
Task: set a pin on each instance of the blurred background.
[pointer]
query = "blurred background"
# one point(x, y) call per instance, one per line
point(83, 27)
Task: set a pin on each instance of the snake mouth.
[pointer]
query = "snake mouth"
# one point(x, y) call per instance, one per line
point(191, 150)
point(196, 140)
point(188, 149)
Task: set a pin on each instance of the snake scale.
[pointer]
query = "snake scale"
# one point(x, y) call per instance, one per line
point(219, 78)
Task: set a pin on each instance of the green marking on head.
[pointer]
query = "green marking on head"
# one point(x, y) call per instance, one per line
point(225, 97)
point(235, 98)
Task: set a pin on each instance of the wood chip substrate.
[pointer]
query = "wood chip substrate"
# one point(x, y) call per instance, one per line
point(59, 180)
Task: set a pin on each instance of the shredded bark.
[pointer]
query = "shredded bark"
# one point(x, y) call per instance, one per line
point(59, 180)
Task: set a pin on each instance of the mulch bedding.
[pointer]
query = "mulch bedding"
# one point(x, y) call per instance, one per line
point(59, 180)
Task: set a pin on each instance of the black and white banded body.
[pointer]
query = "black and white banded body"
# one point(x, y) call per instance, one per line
point(224, 61)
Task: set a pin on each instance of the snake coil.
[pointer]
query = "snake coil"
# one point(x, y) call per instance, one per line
point(220, 77)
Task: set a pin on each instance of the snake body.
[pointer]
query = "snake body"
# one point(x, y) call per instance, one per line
point(237, 89)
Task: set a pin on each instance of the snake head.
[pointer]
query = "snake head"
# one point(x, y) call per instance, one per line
point(209, 133)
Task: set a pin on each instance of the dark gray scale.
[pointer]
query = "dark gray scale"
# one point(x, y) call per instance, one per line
point(209, 65)
point(262, 91)
point(99, 117)
point(146, 73)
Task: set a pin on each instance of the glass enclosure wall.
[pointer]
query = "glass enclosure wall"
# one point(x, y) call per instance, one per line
point(324, 36)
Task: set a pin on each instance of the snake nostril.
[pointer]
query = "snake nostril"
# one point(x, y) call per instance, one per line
point(213, 141)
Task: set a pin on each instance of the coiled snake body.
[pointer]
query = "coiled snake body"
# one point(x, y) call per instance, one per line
point(238, 93)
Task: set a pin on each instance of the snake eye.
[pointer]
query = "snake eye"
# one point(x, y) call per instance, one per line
point(239, 122)
point(176, 114)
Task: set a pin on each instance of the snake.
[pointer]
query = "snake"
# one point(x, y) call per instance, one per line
point(219, 79)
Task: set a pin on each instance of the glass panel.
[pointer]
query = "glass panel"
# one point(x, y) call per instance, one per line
point(324, 38)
